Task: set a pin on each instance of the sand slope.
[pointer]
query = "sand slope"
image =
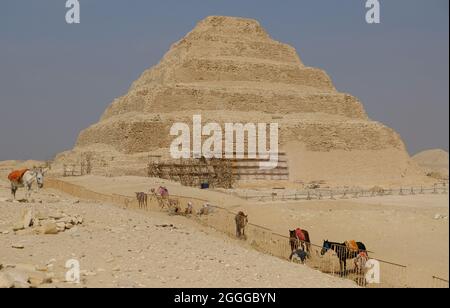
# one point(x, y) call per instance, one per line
point(435, 160)
point(400, 229)
point(119, 248)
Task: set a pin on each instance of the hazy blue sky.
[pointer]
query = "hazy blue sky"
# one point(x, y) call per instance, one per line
point(56, 79)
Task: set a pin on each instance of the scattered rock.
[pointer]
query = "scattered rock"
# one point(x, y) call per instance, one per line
point(116, 269)
point(88, 273)
point(56, 215)
point(24, 276)
point(27, 218)
point(5, 281)
point(18, 246)
point(42, 268)
point(38, 278)
point(61, 226)
point(18, 226)
point(42, 214)
point(17, 276)
point(48, 228)
point(35, 222)
point(439, 216)
point(25, 232)
point(25, 267)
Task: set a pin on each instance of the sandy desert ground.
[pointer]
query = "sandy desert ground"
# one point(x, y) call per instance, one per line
point(125, 248)
point(399, 229)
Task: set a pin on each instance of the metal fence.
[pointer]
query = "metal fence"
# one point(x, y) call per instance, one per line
point(343, 193)
point(258, 237)
point(439, 283)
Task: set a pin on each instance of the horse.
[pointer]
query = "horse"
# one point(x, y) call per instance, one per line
point(25, 178)
point(343, 252)
point(299, 236)
point(241, 221)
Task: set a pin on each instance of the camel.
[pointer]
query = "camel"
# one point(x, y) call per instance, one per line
point(241, 221)
point(142, 199)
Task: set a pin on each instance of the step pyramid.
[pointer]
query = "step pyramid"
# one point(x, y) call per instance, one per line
point(229, 69)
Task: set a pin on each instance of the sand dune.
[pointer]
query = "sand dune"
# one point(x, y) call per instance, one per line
point(435, 160)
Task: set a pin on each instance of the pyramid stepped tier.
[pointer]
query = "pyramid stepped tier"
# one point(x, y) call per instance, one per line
point(134, 133)
point(238, 69)
point(229, 70)
point(265, 97)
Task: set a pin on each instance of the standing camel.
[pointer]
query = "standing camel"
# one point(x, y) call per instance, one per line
point(241, 221)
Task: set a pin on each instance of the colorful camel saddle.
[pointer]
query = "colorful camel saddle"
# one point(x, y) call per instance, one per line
point(351, 245)
point(300, 234)
point(16, 175)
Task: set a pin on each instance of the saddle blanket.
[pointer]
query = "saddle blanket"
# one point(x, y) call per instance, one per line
point(351, 245)
point(16, 175)
point(300, 234)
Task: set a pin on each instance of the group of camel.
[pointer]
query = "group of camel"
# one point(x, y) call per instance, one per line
point(173, 205)
point(161, 195)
